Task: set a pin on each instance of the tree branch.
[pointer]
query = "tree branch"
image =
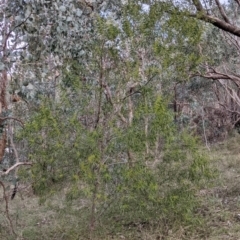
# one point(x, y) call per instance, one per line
point(218, 23)
point(215, 75)
point(16, 119)
point(202, 15)
point(238, 2)
point(15, 166)
point(198, 5)
point(222, 12)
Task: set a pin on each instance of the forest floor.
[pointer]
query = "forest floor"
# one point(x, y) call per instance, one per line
point(222, 202)
point(220, 209)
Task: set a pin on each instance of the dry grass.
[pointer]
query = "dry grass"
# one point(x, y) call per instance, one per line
point(222, 201)
point(219, 211)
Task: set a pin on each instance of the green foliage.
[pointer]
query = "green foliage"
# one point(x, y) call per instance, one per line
point(66, 151)
point(109, 135)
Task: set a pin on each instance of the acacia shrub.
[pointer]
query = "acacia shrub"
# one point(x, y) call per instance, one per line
point(98, 171)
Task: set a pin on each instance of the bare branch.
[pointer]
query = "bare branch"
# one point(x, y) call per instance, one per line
point(229, 110)
point(231, 93)
point(16, 119)
point(238, 2)
point(222, 12)
point(15, 166)
point(215, 75)
point(204, 16)
point(231, 39)
point(219, 23)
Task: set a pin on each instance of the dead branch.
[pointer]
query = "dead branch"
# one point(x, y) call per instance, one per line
point(15, 166)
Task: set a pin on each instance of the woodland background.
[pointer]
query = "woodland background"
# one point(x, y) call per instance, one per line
point(119, 119)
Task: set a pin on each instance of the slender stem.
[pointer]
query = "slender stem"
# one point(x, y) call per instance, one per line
point(7, 209)
point(203, 122)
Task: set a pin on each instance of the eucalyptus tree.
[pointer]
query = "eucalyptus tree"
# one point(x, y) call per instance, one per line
point(214, 58)
point(9, 53)
point(36, 38)
point(214, 102)
point(222, 68)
